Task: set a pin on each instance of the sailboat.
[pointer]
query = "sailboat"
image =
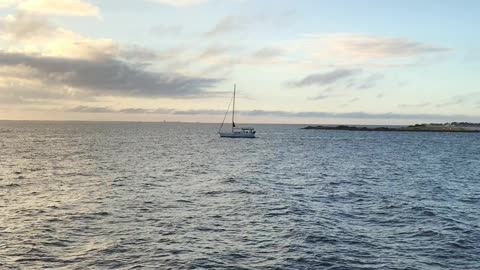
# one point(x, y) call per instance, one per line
point(245, 132)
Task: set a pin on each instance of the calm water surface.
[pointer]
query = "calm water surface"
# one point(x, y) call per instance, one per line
point(176, 196)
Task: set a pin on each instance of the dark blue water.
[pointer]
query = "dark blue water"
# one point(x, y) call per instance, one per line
point(176, 196)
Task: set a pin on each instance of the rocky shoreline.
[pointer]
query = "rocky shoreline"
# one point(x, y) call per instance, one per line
point(415, 128)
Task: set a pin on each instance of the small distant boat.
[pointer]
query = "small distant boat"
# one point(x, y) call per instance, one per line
point(245, 132)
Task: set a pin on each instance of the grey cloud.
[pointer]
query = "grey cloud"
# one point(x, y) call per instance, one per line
point(87, 109)
point(326, 78)
point(199, 112)
point(359, 115)
point(163, 111)
point(134, 111)
point(388, 46)
point(450, 103)
point(227, 25)
point(320, 97)
point(267, 53)
point(455, 100)
point(420, 105)
point(411, 47)
point(355, 99)
point(93, 109)
point(460, 99)
point(348, 79)
point(19, 93)
point(214, 60)
point(371, 81)
point(109, 77)
point(214, 51)
point(138, 54)
point(253, 113)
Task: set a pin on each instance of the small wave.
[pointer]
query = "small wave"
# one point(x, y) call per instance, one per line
point(463, 244)
point(214, 192)
point(276, 214)
point(210, 229)
point(103, 214)
point(183, 201)
point(10, 186)
point(425, 233)
point(317, 239)
point(230, 180)
point(246, 191)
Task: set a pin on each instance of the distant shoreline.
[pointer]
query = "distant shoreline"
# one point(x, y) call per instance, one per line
point(416, 128)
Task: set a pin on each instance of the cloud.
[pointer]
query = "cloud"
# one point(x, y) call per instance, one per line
point(460, 99)
point(18, 86)
point(266, 53)
point(24, 26)
point(288, 114)
point(325, 78)
point(94, 109)
point(352, 100)
point(228, 25)
point(180, 3)
point(320, 97)
point(186, 3)
point(372, 47)
point(34, 34)
point(134, 111)
point(371, 81)
point(214, 52)
point(8, 3)
point(108, 77)
point(26, 94)
point(358, 115)
point(361, 49)
point(87, 109)
point(338, 80)
point(59, 7)
point(420, 105)
point(137, 54)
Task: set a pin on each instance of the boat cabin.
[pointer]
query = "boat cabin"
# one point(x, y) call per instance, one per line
point(245, 130)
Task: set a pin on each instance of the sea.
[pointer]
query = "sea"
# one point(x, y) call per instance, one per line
point(115, 195)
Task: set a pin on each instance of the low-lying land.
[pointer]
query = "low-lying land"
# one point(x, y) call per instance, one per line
point(447, 127)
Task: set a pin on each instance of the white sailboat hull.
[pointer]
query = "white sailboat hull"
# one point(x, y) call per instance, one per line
point(236, 135)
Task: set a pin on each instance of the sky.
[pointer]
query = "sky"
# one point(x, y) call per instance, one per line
point(293, 61)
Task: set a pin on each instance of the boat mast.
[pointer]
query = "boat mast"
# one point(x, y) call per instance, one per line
point(233, 111)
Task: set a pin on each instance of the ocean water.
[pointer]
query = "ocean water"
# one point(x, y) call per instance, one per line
point(176, 196)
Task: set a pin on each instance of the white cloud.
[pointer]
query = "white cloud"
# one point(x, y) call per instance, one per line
point(187, 3)
point(358, 48)
point(22, 26)
point(180, 3)
point(371, 47)
point(57, 7)
point(228, 24)
point(34, 34)
point(8, 3)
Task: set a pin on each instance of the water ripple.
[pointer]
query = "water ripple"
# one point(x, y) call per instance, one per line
point(175, 196)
